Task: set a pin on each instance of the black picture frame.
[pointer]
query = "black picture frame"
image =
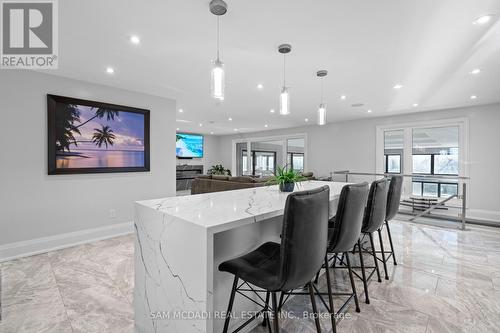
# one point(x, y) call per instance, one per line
point(54, 100)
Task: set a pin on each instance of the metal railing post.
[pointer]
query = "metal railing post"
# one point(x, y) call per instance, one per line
point(464, 204)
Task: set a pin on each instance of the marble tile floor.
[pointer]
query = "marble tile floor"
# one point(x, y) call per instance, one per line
point(446, 280)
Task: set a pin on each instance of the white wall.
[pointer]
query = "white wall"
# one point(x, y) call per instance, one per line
point(35, 205)
point(351, 146)
point(210, 154)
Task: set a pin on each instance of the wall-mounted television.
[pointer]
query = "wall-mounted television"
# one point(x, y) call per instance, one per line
point(189, 145)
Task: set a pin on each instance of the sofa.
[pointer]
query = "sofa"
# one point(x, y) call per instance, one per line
point(218, 183)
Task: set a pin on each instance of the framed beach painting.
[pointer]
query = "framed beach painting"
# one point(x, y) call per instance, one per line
point(94, 137)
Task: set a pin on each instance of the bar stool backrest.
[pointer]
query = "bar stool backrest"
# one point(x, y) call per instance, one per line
point(393, 197)
point(304, 236)
point(376, 206)
point(349, 217)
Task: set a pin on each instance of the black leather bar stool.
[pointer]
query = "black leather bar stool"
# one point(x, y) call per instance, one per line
point(373, 220)
point(345, 233)
point(393, 200)
point(287, 266)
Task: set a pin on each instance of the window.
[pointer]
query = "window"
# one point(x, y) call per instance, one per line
point(433, 189)
point(422, 164)
point(295, 161)
point(295, 154)
point(431, 151)
point(435, 152)
point(393, 150)
point(263, 163)
point(392, 164)
point(260, 157)
point(446, 164)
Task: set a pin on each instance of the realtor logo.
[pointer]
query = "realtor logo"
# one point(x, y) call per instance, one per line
point(29, 34)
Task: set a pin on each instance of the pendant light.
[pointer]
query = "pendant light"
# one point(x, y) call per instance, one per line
point(285, 93)
point(217, 84)
point(322, 106)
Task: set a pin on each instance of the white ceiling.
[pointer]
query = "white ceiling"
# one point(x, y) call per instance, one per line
point(428, 46)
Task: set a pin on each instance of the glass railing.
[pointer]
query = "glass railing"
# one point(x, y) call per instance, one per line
point(422, 194)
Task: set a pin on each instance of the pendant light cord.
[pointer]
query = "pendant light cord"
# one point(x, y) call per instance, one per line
point(284, 70)
point(218, 36)
point(322, 90)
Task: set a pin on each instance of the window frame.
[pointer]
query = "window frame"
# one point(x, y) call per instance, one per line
point(407, 128)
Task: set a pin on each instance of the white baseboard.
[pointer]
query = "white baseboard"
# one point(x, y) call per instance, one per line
point(482, 214)
point(45, 244)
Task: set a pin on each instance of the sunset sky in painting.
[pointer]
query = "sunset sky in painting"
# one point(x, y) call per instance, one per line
point(128, 128)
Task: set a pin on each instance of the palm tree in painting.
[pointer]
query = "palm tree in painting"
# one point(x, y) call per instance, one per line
point(101, 113)
point(103, 136)
point(66, 117)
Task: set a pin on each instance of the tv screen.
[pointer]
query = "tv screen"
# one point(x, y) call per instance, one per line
point(189, 145)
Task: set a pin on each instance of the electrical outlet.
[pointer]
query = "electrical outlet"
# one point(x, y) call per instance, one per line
point(112, 213)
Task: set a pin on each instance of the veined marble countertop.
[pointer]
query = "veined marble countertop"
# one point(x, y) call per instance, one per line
point(222, 210)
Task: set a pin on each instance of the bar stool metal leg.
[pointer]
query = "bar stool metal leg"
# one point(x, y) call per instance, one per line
point(374, 257)
point(315, 309)
point(390, 242)
point(276, 313)
point(230, 306)
point(383, 253)
point(353, 285)
point(265, 322)
point(363, 273)
point(330, 297)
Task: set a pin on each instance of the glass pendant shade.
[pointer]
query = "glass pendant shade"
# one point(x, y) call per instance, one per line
point(217, 84)
point(284, 101)
point(322, 114)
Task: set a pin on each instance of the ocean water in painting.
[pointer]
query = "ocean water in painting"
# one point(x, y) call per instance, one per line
point(189, 145)
point(102, 159)
point(102, 139)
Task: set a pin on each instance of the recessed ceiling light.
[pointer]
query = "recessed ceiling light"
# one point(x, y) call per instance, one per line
point(475, 71)
point(110, 70)
point(181, 110)
point(272, 111)
point(265, 125)
point(212, 133)
point(473, 97)
point(260, 86)
point(236, 130)
point(135, 39)
point(177, 128)
point(415, 105)
point(398, 86)
point(230, 119)
point(343, 97)
point(306, 120)
point(482, 19)
point(369, 111)
point(200, 124)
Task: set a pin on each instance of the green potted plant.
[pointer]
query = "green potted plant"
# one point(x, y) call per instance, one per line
point(219, 170)
point(285, 179)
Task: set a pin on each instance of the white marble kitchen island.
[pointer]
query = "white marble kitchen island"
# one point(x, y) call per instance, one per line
point(179, 243)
